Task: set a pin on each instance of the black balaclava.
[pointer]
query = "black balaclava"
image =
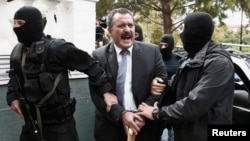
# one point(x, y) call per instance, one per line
point(140, 33)
point(167, 52)
point(32, 30)
point(198, 30)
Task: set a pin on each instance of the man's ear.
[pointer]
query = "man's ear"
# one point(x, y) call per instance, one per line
point(109, 30)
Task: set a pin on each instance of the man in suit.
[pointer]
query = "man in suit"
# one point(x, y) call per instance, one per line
point(144, 64)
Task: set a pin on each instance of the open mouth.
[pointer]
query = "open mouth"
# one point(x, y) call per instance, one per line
point(126, 36)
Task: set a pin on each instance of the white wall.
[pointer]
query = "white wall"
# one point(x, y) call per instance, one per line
point(75, 21)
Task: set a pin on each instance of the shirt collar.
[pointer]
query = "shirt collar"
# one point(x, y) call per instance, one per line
point(118, 49)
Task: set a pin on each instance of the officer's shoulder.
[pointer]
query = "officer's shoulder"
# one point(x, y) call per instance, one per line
point(54, 42)
point(146, 45)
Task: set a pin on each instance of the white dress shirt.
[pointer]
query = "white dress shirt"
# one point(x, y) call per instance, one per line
point(128, 99)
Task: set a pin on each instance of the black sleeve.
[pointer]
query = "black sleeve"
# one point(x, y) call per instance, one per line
point(13, 87)
point(73, 58)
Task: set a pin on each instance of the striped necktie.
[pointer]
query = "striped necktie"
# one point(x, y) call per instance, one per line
point(121, 76)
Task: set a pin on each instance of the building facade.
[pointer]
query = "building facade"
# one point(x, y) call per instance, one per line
point(73, 20)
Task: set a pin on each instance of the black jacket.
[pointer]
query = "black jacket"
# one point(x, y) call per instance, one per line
point(58, 56)
point(204, 88)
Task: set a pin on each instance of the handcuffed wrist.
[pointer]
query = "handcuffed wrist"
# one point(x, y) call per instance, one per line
point(125, 111)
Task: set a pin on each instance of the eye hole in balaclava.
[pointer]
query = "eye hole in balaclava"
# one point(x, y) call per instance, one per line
point(32, 30)
point(198, 30)
point(167, 52)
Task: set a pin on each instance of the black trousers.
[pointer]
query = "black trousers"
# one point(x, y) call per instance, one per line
point(65, 131)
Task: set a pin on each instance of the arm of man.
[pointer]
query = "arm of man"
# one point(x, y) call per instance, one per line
point(12, 98)
point(159, 82)
point(157, 86)
point(77, 59)
point(107, 103)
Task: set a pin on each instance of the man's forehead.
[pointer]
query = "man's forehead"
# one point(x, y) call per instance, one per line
point(123, 17)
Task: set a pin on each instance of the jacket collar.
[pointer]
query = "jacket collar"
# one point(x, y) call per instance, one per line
point(198, 60)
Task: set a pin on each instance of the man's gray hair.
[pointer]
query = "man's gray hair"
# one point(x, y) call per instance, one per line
point(114, 11)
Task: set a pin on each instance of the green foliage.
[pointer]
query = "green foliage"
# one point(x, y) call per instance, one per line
point(103, 7)
point(235, 36)
point(225, 35)
point(219, 33)
point(166, 16)
point(156, 34)
point(177, 38)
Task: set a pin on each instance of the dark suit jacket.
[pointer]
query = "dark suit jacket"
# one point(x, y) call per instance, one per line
point(147, 63)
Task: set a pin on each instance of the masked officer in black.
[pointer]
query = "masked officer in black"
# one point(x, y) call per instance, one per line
point(41, 64)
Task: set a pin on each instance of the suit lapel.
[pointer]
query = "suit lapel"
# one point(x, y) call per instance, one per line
point(136, 64)
point(112, 60)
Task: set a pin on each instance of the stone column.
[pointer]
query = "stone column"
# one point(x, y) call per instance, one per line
point(76, 21)
point(48, 9)
point(5, 29)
